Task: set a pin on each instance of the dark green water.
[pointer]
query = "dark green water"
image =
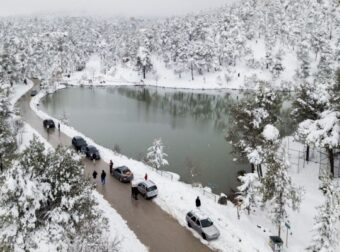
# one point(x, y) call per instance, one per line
point(191, 124)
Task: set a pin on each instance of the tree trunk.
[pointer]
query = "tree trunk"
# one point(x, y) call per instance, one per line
point(192, 71)
point(259, 170)
point(331, 160)
point(252, 168)
point(307, 153)
point(144, 72)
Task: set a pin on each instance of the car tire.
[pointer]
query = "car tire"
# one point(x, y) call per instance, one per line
point(204, 236)
point(189, 225)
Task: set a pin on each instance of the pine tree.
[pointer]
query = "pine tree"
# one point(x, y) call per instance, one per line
point(45, 196)
point(250, 189)
point(156, 155)
point(326, 231)
point(144, 63)
point(278, 189)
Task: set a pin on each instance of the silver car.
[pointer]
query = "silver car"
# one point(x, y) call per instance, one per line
point(123, 174)
point(197, 220)
point(148, 189)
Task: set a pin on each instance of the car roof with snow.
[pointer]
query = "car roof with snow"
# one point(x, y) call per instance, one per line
point(148, 183)
point(122, 168)
point(199, 214)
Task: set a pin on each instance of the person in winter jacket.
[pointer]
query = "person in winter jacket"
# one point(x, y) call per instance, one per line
point(103, 176)
point(198, 202)
point(94, 174)
point(111, 167)
point(146, 176)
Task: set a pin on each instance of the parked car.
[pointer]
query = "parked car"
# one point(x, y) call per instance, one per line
point(79, 143)
point(48, 123)
point(198, 221)
point(148, 189)
point(92, 152)
point(34, 92)
point(123, 174)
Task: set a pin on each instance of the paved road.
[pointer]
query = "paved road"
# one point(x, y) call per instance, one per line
point(155, 228)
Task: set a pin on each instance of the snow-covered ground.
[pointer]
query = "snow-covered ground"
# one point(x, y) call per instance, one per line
point(249, 233)
point(118, 228)
point(240, 76)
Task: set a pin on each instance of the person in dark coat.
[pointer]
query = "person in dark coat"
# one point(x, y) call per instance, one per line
point(103, 176)
point(111, 167)
point(134, 191)
point(94, 174)
point(146, 176)
point(198, 202)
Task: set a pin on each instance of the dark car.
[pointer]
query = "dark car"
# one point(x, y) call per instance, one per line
point(48, 123)
point(123, 174)
point(34, 92)
point(79, 143)
point(92, 152)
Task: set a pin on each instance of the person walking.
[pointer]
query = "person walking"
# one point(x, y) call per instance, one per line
point(103, 176)
point(58, 126)
point(134, 191)
point(146, 176)
point(111, 167)
point(198, 202)
point(94, 174)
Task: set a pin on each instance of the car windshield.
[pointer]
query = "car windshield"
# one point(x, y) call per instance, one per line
point(126, 171)
point(92, 149)
point(81, 141)
point(151, 188)
point(206, 223)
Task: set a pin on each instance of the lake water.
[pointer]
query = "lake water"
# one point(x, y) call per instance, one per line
point(192, 125)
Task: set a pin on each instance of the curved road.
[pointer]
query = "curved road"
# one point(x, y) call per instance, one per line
point(155, 228)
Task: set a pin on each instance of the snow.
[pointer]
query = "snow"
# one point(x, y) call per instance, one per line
point(270, 133)
point(177, 198)
point(118, 228)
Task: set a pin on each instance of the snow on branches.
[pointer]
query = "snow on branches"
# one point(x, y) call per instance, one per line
point(156, 156)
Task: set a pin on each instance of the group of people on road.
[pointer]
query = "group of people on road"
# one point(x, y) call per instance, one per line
point(102, 176)
point(134, 188)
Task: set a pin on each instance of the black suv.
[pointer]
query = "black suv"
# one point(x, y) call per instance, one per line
point(49, 123)
point(79, 143)
point(92, 152)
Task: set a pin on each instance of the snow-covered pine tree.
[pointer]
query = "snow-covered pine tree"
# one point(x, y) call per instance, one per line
point(45, 198)
point(156, 156)
point(250, 117)
point(278, 190)
point(144, 63)
point(311, 100)
point(326, 231)
point(250, 189)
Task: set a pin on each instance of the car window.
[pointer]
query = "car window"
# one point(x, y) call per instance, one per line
point(206, 223)
point(198, 223)
point(152, 188)
point(193, 218)
point(190, 214)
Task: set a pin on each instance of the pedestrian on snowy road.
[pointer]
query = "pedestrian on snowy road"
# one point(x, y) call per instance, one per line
point(111, 167)
point(198, 202)
point(94, 174)
point(103, 176)
point(58, 126)
point(146, 176)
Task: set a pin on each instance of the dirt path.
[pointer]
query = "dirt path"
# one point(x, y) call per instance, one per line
point(155, 228)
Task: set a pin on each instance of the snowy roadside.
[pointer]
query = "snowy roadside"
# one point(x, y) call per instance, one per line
point(118, 229)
